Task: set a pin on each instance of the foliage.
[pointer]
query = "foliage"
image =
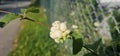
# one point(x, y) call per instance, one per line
point(114, 32)
point(7, 18)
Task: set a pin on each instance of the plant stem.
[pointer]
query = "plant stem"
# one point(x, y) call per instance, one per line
point(24, 17)
point(93, 52)
point(37, 22)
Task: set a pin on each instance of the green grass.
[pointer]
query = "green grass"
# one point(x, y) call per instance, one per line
point(33, 39)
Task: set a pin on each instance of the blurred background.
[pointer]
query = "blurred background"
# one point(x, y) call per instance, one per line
point(13, 5)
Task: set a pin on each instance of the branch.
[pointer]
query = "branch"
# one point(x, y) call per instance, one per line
point(37, 22)
point(23, 17)
point(93, 52)
point(3, 11)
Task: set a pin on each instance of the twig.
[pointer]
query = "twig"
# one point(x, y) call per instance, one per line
point(3, 11)
point(91, 51)
point(23, 17)
point(37, 22)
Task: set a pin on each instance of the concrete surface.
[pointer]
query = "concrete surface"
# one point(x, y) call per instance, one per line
point(7, 36)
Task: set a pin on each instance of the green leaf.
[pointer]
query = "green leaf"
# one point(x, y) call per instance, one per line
point(77, 45)
point(23, 10)
point(7, 18)
point(33, 10)
point(89, 54)
point(77, 42)
point(2, 24)
point(95, 45)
